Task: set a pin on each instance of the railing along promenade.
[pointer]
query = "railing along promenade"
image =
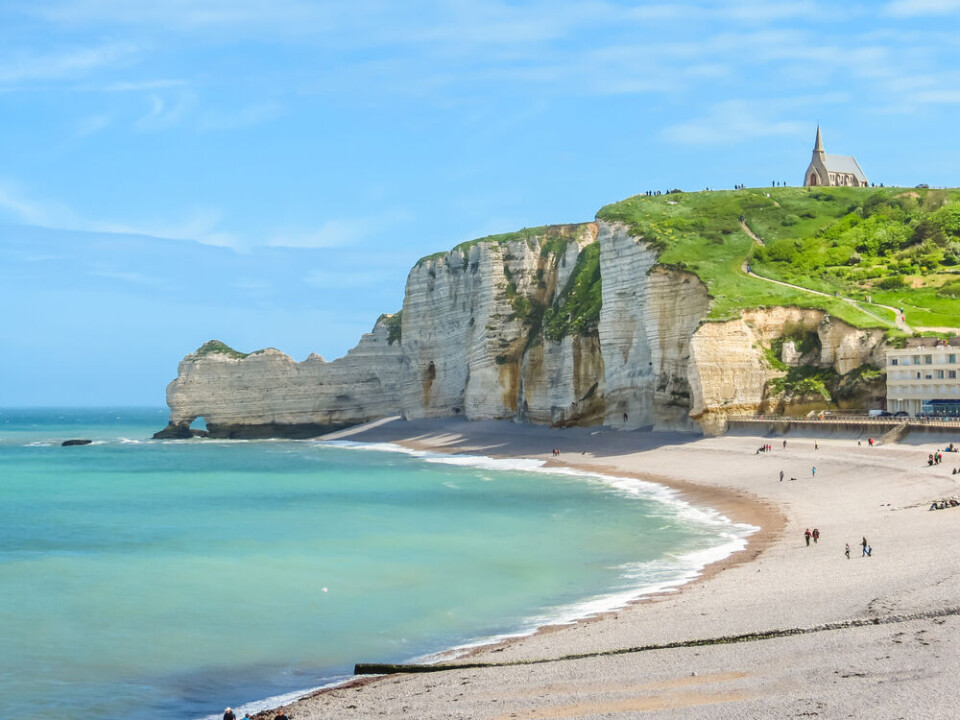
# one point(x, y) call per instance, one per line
point(848, 420)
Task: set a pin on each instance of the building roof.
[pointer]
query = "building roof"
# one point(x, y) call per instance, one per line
point(844, 164)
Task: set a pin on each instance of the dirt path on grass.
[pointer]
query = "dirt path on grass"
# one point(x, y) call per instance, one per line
point(896, 313)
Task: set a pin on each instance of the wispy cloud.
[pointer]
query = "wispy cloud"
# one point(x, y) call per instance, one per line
point(244, 117)
point(733, 122)
point(139, 85)
point(919, 8)
point(165, 113)
point(93, 124)
point(24, 67)
point(201, 225)
point(333, 233)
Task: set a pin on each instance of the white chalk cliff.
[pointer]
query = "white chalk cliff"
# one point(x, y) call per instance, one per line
point(497, 329)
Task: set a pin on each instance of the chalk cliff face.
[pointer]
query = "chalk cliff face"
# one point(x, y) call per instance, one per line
point(471, 341)
point(487, 332)
point(268, 394)
point(648, 316)
point(728, 372)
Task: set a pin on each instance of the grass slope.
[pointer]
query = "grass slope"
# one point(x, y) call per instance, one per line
point(900, 247)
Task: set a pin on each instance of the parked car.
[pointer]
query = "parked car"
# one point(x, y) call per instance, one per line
point(901, 413)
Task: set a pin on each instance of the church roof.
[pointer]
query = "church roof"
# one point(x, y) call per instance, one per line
point(846, 164)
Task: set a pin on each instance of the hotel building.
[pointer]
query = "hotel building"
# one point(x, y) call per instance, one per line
point(923, 379)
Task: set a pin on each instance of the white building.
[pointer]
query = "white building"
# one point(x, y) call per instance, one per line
point(924, 379)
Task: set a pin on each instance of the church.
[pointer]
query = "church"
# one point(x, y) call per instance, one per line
point(833, 170)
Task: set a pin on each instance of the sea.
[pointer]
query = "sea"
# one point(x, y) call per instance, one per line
point(169, 579)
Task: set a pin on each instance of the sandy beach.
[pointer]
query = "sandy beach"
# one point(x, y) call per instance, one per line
point(879, 633)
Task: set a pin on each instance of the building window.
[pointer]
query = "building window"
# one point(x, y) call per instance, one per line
point(939, 374)
point(928, 359)
point(952, 359)
point(916, 359)
point(918, 376)
point(952, 374)
point(893, 361)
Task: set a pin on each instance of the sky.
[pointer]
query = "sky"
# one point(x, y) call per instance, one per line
point(266, 173)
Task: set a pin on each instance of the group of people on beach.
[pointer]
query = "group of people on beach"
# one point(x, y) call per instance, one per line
point(867, 549)
point(815, 536)
point(228, 714)
point(944, 504)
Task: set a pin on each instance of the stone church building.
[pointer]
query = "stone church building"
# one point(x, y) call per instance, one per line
point(833, 170)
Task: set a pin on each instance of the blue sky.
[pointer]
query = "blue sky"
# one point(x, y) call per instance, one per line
point(266, 173)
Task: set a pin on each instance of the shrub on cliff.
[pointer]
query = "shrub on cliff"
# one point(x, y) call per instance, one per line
point(577, 309)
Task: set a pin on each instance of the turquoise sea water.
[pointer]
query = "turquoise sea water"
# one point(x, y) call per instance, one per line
point(168, 579)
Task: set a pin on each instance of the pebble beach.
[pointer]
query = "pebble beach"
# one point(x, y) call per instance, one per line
point(779, 629)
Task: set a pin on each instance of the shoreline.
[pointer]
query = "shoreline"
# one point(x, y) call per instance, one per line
point(735, 508)
point(861, 663)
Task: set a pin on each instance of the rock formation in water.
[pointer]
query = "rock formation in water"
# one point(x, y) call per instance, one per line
point(564, 325)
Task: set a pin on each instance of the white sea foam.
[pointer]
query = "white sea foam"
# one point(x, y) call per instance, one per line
point(275, 701)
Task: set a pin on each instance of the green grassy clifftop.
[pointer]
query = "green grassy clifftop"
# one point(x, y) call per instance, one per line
point(898, 247)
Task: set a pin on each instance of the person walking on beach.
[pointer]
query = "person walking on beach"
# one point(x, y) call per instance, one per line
point(806, 536)
point(847, 551)
point(784, 444)
point(816, 446)
point(813, 471)
point(816, 536)
point(781, 476)
point(228, 714)
point(864, 544)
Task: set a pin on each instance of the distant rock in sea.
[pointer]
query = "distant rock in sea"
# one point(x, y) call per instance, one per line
point(77, 441)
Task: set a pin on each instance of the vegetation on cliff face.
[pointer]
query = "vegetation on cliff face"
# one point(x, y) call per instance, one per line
point(215, 347)
point(844, 241)
point(394, 327)
point(577, 309)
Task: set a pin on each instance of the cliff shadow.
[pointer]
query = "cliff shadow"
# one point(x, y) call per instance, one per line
point(503, 437)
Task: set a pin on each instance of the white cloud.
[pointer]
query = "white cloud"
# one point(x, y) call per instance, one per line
point(332, 233)
point(353, 279)
point(140, 85)
point(164, 114)
point(733, 122)
point(202, 225)
point(244, 117)
point(17, 68)
point(93, 124)
point(918, 8)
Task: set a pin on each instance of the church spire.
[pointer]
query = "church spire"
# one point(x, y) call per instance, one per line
point(818, 148)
